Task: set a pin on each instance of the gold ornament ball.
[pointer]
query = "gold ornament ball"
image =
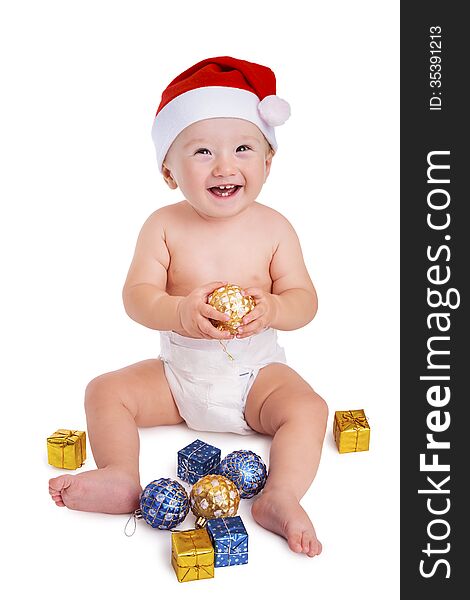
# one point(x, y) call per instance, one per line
point(214, 496)
point(230, 300)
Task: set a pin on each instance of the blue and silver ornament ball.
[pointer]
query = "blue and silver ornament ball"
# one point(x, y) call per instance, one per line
point(164, 503)
point(247, 471)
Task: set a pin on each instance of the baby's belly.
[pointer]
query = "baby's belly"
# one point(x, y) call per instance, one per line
point(183, 279)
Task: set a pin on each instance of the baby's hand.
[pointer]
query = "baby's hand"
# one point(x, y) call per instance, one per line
point(263, 314)
point(194, 314)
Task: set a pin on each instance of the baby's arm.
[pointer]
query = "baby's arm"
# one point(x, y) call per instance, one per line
point(294, 294)
point(293, 301)
point(145, 297)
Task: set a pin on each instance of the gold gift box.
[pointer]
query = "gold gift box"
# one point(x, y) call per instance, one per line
point(66, 449)
point(192, 555)
point(351, 431)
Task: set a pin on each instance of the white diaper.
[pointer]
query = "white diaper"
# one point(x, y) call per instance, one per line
point(209, 389)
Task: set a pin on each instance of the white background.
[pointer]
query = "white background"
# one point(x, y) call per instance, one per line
point(81, 82)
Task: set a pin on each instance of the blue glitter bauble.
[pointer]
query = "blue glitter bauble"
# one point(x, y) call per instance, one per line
point(164, 503)
point(247, 471)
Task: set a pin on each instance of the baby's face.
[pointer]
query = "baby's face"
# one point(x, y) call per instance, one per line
point(220, 165)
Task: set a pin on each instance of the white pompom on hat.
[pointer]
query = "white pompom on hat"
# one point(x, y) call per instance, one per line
point(219, 87)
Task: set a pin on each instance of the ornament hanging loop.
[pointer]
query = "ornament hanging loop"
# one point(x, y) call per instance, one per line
point(137, 514)
point(225, 350)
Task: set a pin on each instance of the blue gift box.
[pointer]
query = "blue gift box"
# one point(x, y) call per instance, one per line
point(196, 460)
point(230, 541)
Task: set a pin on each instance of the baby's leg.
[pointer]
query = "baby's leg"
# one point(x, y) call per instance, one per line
point(283, 405)
point(116, 404)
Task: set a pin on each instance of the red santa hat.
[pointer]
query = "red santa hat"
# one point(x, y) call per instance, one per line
point(219, 87)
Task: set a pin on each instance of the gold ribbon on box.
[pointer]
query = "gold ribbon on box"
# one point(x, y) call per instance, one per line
point(352, 431)
point(192, 555)
point(66, 449)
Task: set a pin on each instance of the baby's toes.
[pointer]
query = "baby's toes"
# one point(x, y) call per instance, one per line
point(57, 485)
point(54, 492)
point(315, 548)
point(56, 497)
point(294, 541)
point(307, 539)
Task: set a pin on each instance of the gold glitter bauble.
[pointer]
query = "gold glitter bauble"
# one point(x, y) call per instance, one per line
point(214, 496)
point(230, 300)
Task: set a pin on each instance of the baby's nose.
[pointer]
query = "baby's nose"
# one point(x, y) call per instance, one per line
point(224, 167)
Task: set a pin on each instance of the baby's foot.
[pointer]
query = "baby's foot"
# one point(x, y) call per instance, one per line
point(107, 490)
point(281, 512)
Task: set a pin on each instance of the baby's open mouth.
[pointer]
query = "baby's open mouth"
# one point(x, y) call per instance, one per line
point(223, 191)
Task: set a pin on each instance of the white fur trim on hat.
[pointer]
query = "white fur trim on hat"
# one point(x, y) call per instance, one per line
point(206, 103)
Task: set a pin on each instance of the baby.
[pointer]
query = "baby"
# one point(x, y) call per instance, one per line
point(214, 136)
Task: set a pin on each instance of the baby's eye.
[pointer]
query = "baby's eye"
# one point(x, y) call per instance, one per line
point(243, 148)
point(202, 151)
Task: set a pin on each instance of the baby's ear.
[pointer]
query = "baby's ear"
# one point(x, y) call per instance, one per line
point(168, 177)
point(269, 159)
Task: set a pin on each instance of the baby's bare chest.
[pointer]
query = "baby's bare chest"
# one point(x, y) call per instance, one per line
point(201, 256)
